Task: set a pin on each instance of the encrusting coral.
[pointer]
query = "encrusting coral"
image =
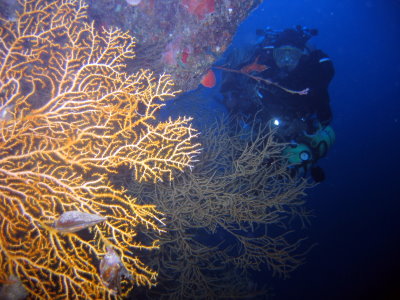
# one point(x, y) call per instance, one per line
point(70, 117)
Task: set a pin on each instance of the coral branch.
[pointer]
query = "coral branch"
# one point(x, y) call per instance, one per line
point(230, 216)
point(70, 117)
point(264, 80)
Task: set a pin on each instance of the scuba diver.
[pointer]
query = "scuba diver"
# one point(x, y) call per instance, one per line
point(285, 81)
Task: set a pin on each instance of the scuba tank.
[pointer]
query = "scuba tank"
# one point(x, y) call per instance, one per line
point(302, 156)
point(298, 154)
point(321, 141)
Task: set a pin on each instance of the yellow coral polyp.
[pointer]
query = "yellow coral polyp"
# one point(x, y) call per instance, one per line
point(70, 116)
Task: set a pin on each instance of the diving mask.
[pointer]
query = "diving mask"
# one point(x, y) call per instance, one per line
point(287, 57)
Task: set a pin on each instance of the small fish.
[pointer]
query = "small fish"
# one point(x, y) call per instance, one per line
point(12, 289)
point(7, 112)
point(112, 269)
point(254, 67)
point(73, 221)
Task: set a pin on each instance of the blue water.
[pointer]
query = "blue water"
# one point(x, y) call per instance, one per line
point(357, 223)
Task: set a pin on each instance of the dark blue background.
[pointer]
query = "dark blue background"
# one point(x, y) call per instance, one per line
point(357, 223)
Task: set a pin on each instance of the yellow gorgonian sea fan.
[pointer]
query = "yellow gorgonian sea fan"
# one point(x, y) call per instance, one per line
point(70, 116)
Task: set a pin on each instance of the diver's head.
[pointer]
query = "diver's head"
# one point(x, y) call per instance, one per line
point(289, 48)
point(287, 57)
point(288, 45)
